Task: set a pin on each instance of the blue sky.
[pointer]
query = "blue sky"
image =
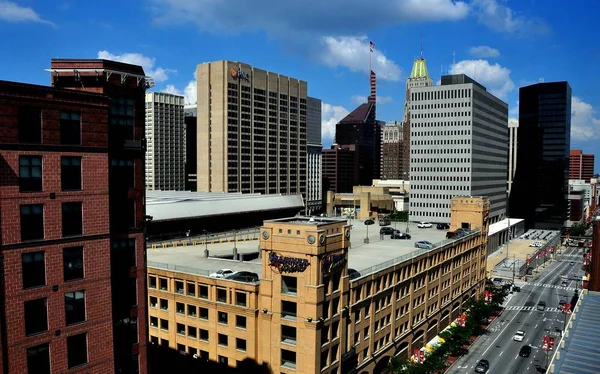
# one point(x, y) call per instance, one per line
point(503, 44)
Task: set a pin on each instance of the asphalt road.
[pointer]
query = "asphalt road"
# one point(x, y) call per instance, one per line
point(520, 313)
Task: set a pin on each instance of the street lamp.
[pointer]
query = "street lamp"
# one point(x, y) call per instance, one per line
point(205, 243)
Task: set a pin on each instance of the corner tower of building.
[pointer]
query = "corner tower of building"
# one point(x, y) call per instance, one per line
point(419, 77)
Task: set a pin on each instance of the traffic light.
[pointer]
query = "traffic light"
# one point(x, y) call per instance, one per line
point(551, 344)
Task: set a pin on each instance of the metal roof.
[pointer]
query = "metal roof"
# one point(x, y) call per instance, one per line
point(168, 205)
point(581, 351)
point(503, 225)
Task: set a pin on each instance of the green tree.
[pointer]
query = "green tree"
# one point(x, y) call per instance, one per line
point(578, 229)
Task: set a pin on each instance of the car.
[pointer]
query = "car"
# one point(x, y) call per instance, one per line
point(369, 222)
point(561, 303)
point(353, 274)
point(387, 230)
point(424, 244)
point(222, 273)
point(525, 351)
point(564, 284)
point(571, 263)
point(443, 226)
point(482, 366)
point(424, 225)
point(400, 235)
point(243, 276)
point(541, 305)
point(516, 288)
point(519, 336)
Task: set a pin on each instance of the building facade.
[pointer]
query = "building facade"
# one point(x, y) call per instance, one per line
point(391, 151)
point(314, 182)
point(513, 127)
point(581, 166)
point(459, 147)
point(360, 131)
point(165, 140)
point(316, 318)
point(191, 149)
point(338, 169)
point(419, 77)
point(72, 218)
point(251, 133)
point(539, 193)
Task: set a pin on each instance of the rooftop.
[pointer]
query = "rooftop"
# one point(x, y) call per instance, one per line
point(581, 352)
point(366, 258)
point(313, 221)
point(169, 205)
point(360, 114)
point(419, 69)
point(503, 225)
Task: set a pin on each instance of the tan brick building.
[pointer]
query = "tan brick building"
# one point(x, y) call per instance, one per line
point(306, 315)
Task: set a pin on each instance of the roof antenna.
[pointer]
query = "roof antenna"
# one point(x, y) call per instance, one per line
point(453, 57)
point(421, 45)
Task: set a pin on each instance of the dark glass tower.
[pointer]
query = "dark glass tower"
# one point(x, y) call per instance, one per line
point(540, 188)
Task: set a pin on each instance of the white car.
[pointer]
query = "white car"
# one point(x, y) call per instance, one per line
point(222, 273)
point(519, 336)
point(424, 225)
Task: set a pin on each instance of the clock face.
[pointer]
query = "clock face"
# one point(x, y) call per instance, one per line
point(321, 239)
point(265, 235)
point(311, 239)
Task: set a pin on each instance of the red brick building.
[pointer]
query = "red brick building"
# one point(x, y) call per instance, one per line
point(73, 294)
point(581, 166)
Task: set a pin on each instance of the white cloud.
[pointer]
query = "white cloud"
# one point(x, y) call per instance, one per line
point(359, 99)
point(483, 51)
point(500, 18)
point(190, 92)
point(494, 77)
point(159, 74)
point(171, 89)
point(12, 12)
point(330, 116)
point(353, 53)
point(585, 123)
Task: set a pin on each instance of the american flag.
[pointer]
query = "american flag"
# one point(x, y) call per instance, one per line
point(372, 45)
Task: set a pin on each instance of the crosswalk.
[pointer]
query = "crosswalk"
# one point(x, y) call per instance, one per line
point(529, 308)
point(550, 286)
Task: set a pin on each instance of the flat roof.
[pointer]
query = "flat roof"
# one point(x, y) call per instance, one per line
point(312, 221)
point(503, 225)
point(581, 353)
point(363, 257)
point(170, 205)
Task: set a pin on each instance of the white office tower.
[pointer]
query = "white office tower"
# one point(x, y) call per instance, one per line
point(459, 147)
point(165, 142)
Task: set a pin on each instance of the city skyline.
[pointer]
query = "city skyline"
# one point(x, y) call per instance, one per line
point(514, 44)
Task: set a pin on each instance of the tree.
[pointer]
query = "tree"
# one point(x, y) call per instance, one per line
point(578, 229)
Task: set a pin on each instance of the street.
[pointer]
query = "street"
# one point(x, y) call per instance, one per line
point(520, 313)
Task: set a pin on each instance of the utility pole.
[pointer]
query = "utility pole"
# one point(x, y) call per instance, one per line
point(514, 264)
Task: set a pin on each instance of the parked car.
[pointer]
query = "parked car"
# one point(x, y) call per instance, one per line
point(482, 366)
point(222, 273)
point(353, 274)
point(424, 244)
point(525, 351)
point(424, 225)
point(400, 235)
point(387, 230)
point(243, 276)
point(443, 226)
point(519, 336)
point(516, 288)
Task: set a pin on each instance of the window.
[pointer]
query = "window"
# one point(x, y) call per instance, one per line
point(181, 328)
point(223, 340)
point(289, 285)
point(240, 344)
point(30, 125)
point(191, 310)
point(30, 173)
point(240, 298)
point(221, 295)
point(193, 351)
point(77, 350)
point(163, 284)
point(152, 282)
point(75, 307)
point(192, 332)
point(191, 289)
point(288, 310)
point(36, 316)
point(153, 302)
point(164, 304)
point(72, 221)
point(32, 222)
point(153, 321)
point(70, 128)
point(223, 360)
point(38, 359)
point(34, 269)
point(179, 286)
point(70, 173)
point(164, 324)
point(73, 263)
point(124, 253)
point(203, 292)
point(122, 117)
point(181, 348)
point(164, 343)
point(180, 308)
point(203, 334)
point(240, 321)
point(223, 317)
point(203, 313)
point(123, 170)
point(288, 334)
point(288, 359)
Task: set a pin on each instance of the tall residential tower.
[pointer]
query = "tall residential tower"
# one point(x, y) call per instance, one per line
point(314, 180)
